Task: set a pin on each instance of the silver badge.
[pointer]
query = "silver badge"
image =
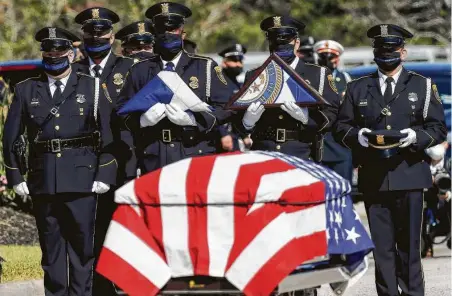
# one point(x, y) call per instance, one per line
point(52, 33)
point(80, 98)
point(412, 97)
point(34, 102)
point(384, 30)
point(238, 47)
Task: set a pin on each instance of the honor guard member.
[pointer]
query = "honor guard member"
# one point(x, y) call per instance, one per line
point(67, 120)
point(137, 40)
point(377, 111)
point(232, 65)
point(291, 129)
point(168, 134)
point(335, 156)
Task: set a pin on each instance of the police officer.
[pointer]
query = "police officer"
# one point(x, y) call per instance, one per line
point(291, 129)
point(306, 50)
point(137, 40)
point(165, 133)
point(67, 123)
point(98, 37)
point(232, 65)
point(335, 156)
point(379, 109)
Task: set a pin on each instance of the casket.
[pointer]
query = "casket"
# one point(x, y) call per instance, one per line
point(253, 223)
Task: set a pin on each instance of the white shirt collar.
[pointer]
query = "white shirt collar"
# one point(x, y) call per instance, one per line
point(382, 77)
point(102, 64)
point(174, 61)
point(294, 63)
point(63, 80)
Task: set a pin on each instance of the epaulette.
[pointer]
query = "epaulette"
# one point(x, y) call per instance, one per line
point(84, 74)
point(417, 74)
point(318, 66)
point(195, 56)
point(359, 78)
point(35, 77)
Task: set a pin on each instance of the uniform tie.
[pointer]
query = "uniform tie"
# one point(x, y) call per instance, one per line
point(169, 67)
point(57, 94)
point(97, 69)
point(388, 92)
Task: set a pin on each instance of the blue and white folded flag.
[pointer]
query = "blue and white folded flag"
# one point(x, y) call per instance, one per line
point(167, 87)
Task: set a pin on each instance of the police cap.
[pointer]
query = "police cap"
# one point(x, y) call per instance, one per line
point(136, 34)
point(328, 47)
point(97, 19)
point(235, 51)
point(388, 35)
point(168, 16)
point(281, 28)
point(386, 141)
point(190, 46)
point(55, 39)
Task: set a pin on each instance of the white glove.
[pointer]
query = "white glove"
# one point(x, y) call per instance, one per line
point(153, 115)
point(21, 189)
point(179, 117)
point(300, 114)
point(363, 140)
point(409, 139)
point(99, 187)
point(252, 115)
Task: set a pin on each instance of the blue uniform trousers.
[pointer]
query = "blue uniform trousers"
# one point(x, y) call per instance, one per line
point(65, 223)
point(395, 219)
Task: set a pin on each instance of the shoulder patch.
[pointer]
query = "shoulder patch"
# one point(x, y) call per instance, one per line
point(332, 84)
point(436, 93)
point(220, 76)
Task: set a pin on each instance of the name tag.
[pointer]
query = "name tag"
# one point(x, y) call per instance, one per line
point(363, 103)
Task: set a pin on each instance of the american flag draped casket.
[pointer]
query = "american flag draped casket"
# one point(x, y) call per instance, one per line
point(253, 218)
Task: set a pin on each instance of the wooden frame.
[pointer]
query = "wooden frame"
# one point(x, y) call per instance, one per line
point(291, 72)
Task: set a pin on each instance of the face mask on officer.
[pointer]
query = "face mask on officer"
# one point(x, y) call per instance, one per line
point(168, 45)
point(388, 59)
point(232, 66)
point(98, 47)
point(327, 60)
point(56, 64)
point(283, 45)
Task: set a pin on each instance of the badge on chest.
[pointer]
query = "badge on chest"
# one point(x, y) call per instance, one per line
point(80, 98)
point(412, 97)
point(34, 102)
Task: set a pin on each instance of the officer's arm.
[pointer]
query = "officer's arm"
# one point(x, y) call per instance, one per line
point(434, 130)
point(220, 93)
point(107, 165)
point(236, 118)
point(345, 130)
point(323, 119)
point(12, 129)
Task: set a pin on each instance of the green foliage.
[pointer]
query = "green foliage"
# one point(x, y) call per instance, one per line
point(22, 263)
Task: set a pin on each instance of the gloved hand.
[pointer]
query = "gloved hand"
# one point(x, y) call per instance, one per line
point(300, 114)
point(363, 140)
point(179, 117)
point(99, 187)
point(21, 189)
point(409, 139)
point(252, 115)
point(153, 115)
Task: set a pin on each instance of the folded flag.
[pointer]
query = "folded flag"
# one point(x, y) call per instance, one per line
point(167, 87)
point(251, 217)
point(274, 83)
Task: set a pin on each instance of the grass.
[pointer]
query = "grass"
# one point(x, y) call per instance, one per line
point(22, 263)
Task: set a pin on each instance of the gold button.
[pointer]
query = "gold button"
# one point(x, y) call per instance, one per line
point(57, 127)
point(281, 117)
point(199, 151)
point(278, 147)
point(171, 145)
point(58, 154)
point(57, 115)
point(388, 127)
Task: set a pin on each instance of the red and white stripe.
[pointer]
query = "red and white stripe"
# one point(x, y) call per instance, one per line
point(253, 246)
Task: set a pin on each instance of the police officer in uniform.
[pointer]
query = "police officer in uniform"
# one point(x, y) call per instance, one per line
point(165, 133)
point(98, 37)
point(378, 109)
point(232, 65)
point(335, 156)
point(137, 40)
point(68, 127)
point(291, 129)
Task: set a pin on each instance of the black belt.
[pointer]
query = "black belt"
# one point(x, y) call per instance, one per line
point(279, 135)
point(56, 145)
point(180, 135)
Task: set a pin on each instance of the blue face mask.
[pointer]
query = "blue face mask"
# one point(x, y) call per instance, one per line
point(168, 45)
point(387, 61)
point(55, 66)
point(97, 48)
point(284, 51)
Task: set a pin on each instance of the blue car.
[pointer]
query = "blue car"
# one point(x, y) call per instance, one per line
point(440, 74)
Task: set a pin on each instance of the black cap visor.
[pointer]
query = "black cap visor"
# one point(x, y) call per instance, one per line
point(55, 45)
point(135, 41)
point(282, 35)
point(388, 42)
point(168, 23)
point(97, 27)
